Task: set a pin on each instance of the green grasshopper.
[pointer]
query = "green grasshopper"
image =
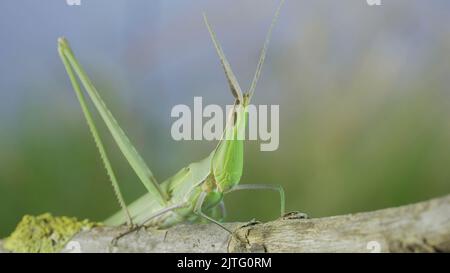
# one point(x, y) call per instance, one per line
point(194, 192)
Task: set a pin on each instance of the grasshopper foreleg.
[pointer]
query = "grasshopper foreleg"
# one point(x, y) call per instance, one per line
point(199, 212)
point(137, 227)
point(223, 210)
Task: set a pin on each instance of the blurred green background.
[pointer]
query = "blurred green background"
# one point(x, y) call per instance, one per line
point(363, 95)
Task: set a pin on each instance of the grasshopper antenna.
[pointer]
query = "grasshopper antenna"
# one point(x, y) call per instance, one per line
point(232, 81)
point(262, 56)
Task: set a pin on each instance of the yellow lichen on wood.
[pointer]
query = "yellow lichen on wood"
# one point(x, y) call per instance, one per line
point(45, 233)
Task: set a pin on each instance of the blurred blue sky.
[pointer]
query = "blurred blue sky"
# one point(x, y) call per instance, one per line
point(148, 48)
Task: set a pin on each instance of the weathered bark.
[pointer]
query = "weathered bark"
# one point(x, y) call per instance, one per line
point(421, 227)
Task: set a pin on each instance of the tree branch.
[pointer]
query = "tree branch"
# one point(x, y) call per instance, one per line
point(421, 227)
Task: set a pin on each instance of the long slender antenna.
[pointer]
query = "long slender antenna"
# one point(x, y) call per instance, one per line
point(262, 56)
point(234, 85)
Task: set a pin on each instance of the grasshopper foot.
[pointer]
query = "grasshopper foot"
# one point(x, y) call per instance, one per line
point(131, 229)
point(294, 215)
point(252, 223)
point(240, 239)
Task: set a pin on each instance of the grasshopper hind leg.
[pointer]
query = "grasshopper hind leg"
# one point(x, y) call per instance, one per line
point(63, 48)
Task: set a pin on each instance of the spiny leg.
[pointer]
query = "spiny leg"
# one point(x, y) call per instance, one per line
point(95, 134)
point(123, 142)
point(277, 188)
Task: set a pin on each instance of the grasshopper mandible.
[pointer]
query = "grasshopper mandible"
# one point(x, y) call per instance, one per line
point(195, 191)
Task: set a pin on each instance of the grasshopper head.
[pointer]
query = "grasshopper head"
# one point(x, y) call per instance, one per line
point(227, 162)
